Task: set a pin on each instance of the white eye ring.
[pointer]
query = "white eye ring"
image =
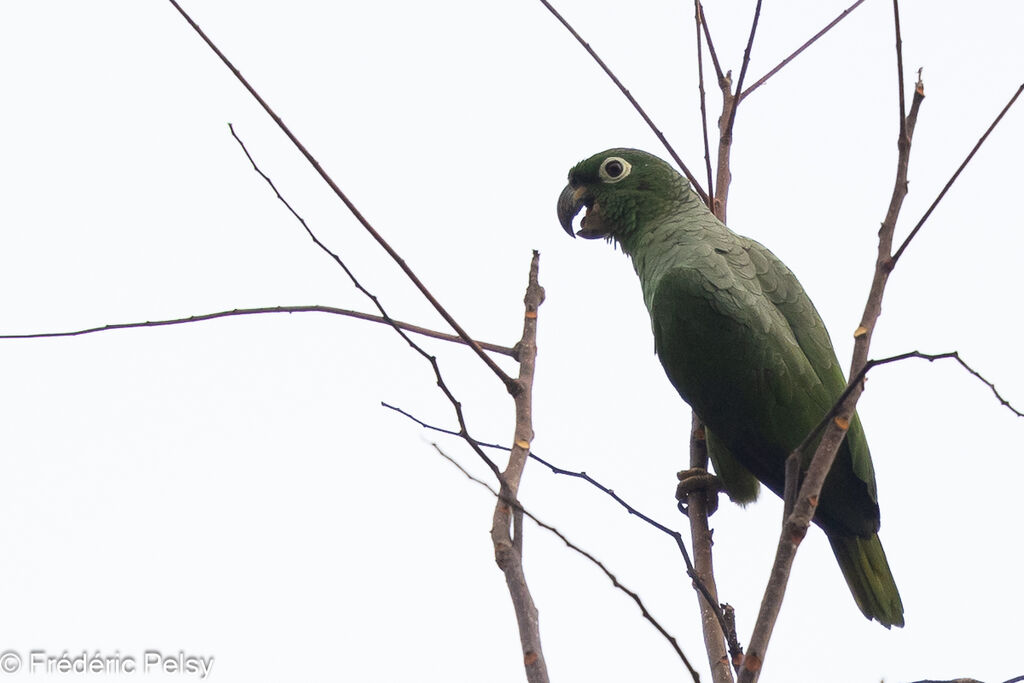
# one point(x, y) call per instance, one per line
point(614, 169)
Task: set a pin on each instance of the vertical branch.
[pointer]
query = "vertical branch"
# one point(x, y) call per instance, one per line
point(726, 123)
point(507, 527)
point(699, 18)
point(724, 176)
point(700, 532)
point(884, 261)
point(714, 638)
point(899, 71)
point(796, 523)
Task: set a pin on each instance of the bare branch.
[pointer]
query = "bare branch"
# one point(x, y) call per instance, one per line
point(800, 49)
point(507, 527)
point(572, 546)
point(703, 100)
point(636, 105)
point(796, 524)
point(883, 262)
point(949, 183)
point(743, 69)
point(675, 535)
point(359, 315)
point(858, 380)
point(726, 123)
point(509, 383)
point(555, 469)
point(464, 433)
point(791, 482)
point(711, 45)
point(697, 512)
point(723, 178)
point(934, 357)
point(899, 73)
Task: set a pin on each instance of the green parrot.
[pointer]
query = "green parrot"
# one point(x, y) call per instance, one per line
point(743, 345)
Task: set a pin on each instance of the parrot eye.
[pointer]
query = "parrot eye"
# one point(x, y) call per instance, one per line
point(614, 169)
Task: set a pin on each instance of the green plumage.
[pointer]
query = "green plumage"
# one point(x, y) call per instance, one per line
point(742, 343)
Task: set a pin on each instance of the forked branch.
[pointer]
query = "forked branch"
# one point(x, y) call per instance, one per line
point(956, 174)
point(509, 383)
point(265, 310)
point(636, 105)
point(442, 385)
point(644, 612)
point(778, 67)
point(676, 536)
point(507, 526)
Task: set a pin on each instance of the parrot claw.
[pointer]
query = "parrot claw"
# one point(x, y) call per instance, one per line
point(698, 479)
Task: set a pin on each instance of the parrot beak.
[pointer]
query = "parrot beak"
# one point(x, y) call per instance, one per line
point(570, 202)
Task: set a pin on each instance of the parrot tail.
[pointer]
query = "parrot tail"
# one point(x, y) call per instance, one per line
point(867, 573)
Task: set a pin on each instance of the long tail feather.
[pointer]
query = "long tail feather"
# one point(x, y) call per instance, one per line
point(867, 573)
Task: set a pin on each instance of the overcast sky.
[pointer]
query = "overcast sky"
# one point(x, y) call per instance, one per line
point(234, 489)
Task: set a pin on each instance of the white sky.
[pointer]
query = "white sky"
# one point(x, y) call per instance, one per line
point(234, 489)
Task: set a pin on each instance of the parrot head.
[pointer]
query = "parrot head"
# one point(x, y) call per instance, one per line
point(622, 190)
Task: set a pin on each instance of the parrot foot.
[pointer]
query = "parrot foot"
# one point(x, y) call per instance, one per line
point(698, 479)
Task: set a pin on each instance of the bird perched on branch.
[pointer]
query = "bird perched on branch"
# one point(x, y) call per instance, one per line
point(742, 343)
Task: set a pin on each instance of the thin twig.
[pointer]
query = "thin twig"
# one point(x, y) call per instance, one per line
point(899, 73)
point(555, 469)
point(727, 122)
point(442, 385)
point(800, 49)
point(691, 571)
point(600, 565)
point(743, 69)
point(723, 177)
point(676, 536)
point(711, 45)
point(359, 315)
point(949, 183)
point(940, 356)
point(509, 383)
point(636, 105)
point(858, 380)
point(703, 99)
point(507, 524)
